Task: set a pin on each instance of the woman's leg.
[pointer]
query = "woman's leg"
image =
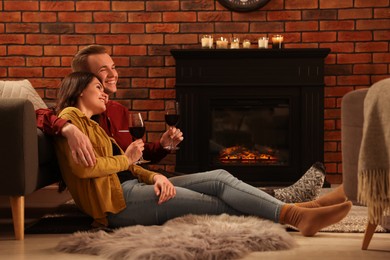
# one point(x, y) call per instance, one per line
point(142, 207)
point(238, 195)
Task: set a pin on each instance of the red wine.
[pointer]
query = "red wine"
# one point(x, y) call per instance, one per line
point(171, 119)
point(137, 132)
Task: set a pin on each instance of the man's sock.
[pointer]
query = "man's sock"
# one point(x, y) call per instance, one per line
point(307, 188)
point(334, 197)
point(310, 221)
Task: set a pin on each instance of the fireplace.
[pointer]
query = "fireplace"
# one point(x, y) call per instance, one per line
point(256, 113)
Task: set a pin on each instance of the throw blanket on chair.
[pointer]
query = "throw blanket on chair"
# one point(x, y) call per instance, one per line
point(374, 156)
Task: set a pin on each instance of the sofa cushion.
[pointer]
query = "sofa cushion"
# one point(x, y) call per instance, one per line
point(21, 89)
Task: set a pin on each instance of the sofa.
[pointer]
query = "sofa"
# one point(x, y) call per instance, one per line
point(27, 156)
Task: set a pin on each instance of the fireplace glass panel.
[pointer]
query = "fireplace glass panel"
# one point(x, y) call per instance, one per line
point(250, 132)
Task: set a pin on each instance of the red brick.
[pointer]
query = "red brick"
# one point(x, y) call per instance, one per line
point(223, 16)
point(329, 124)
point(42, 39)
point(338, 47)
point(197, 5)
point(132, 93)
point(42, 61)
point(127, 28)
point(162, 93)
point(283, 15)
point(77, 39)
point(155, 126)
point(274, 5)
point(196, 27)
point(334, 178)
point(75, 17)
point(128, 5)
point(3, 73)
point(129, 50)
point(301, 45)
point(147, 82)
point(354, 13)
point(331, 59)
point(338, 69)
point(319, 15)
point(113, 17)
point(301, 4)
point(147, 61)
point(376, 78)
point(59, 50)
point(301, 26)
point(353, 58)
point(181, 38)
point(24, 72)
point(337, 91)
point(179, 16)
point(382, 35)
point(162, 28)
point(25, 50)
point(58, 28)
point(92, 5)
point(21, 5)
point(376, 24)
point(381, 13)
point(365, 3)
point(112, 39)
point(332, 136)
point(161, 72)
point(13, 17)
point(92, 28)
point(169, 61)
point(231, 27)
point(381, 57)
point(318, 36)
point(337, 25)
point(355, 36)
point(51, 72)
point(372, 47)
point(148, 104)
point(237, 17)
point(12, 61)
point(22, 27)
point(370, 69)
point(39, 17)
point(330, 102)
point(353, 80)
point(334, 4)
point(330, 146)
point(160, 6)
point(66, 61)
point(133, 72)
point(2, 50)
point(141, 17)
point(146, 39)
point(266, 27)
point(57, 6)
point(11, 39)
point(156, 115)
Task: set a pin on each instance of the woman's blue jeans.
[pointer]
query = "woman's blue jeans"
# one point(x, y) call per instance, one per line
point(213, 192)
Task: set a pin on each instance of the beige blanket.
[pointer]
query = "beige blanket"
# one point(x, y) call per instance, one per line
point(374, 156)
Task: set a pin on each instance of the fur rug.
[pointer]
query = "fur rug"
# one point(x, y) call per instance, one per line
point(188, 237)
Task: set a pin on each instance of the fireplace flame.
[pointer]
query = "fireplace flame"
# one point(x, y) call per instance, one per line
point(244, 155)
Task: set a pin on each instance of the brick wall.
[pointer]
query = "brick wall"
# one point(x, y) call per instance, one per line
point(39, 38)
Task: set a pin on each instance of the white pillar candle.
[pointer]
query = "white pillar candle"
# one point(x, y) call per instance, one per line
point(222, 43)
point(246, 44)
point(263, 43)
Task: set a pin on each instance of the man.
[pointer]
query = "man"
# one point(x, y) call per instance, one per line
point(114, 120)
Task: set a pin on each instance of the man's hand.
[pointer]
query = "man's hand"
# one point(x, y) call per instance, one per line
point(163, 188)
point(134, 151)
point(174, 134)
point(80, 145)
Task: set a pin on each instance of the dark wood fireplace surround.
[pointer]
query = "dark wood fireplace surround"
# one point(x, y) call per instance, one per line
point(294, 74)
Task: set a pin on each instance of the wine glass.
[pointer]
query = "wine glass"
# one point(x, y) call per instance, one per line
point(172, 118)
point(137, 130)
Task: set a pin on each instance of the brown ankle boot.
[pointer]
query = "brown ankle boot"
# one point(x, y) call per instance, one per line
point(311, 220)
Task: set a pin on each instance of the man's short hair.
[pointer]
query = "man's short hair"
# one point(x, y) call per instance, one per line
point(80, 60)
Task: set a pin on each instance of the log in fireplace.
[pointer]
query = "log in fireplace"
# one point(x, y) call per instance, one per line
point(257, 113)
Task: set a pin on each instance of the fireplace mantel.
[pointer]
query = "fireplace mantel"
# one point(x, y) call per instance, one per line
point(204, 75)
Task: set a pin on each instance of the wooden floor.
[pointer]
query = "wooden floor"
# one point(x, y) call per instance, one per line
point(329, 246)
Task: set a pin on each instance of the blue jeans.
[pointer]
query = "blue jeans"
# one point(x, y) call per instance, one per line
point(213, 192)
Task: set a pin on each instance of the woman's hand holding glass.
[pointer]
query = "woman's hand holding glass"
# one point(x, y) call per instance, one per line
point(137, 131)
point(134, 151)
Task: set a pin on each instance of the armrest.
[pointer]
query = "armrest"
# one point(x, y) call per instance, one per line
point(18, 147)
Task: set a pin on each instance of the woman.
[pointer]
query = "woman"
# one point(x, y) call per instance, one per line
point(152, 198)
